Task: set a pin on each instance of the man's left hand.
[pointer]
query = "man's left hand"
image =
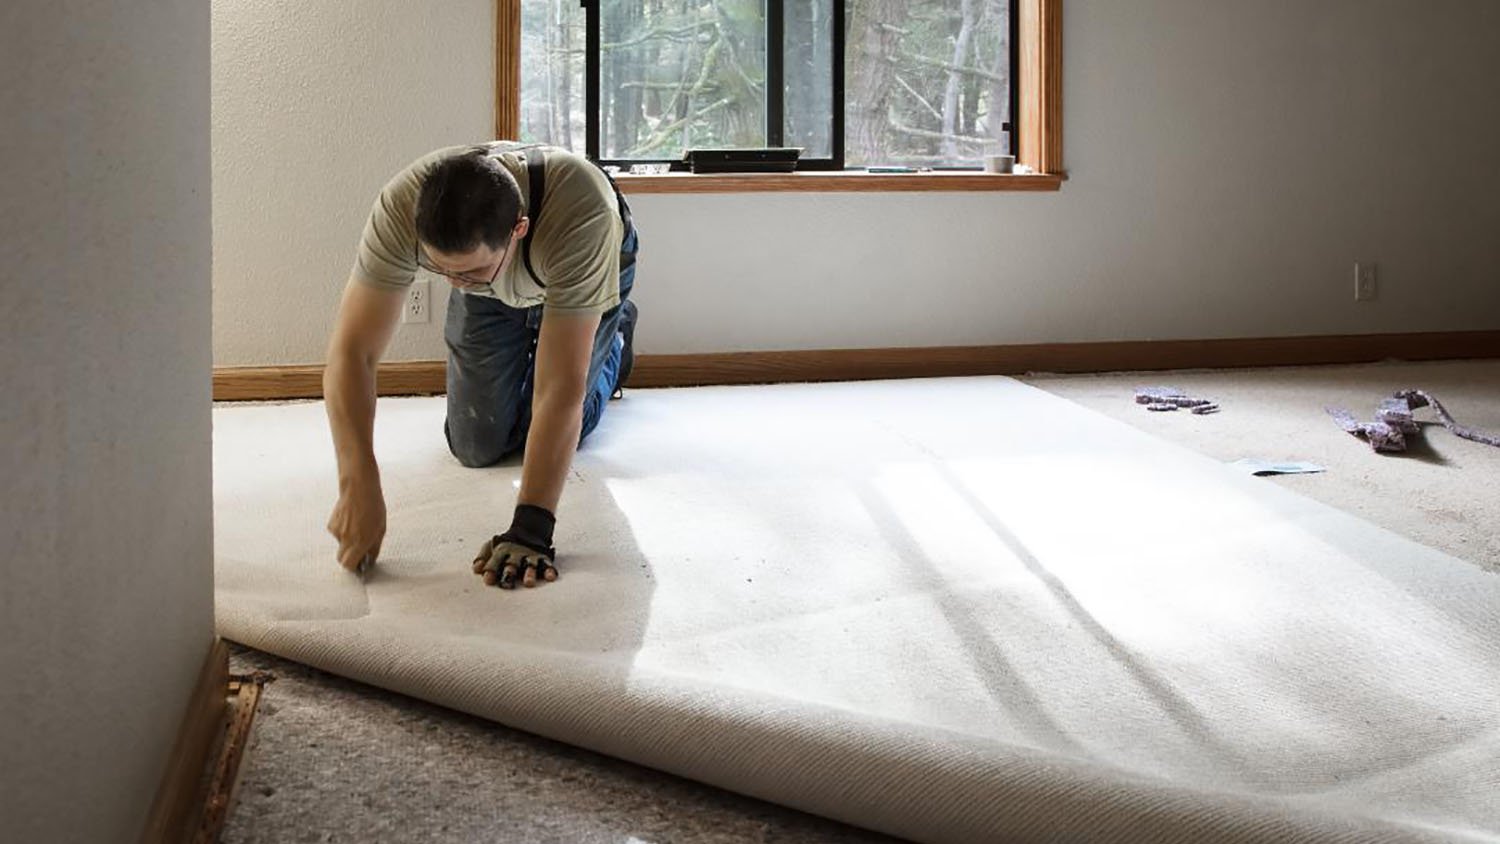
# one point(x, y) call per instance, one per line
point(505, 559)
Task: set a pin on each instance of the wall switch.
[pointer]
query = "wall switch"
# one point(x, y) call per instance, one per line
point(418, 302)
point(1364, 282)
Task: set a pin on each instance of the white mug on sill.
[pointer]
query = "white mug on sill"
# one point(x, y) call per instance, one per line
point(999, 163)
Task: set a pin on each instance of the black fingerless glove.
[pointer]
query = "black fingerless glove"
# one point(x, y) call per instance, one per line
point(531, 526)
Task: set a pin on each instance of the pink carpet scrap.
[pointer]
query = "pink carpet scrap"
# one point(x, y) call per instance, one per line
point(1171, 398)
point(1395, 421)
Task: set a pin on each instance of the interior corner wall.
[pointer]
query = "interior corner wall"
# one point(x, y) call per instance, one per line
point(106, 601)
point(1230, 161)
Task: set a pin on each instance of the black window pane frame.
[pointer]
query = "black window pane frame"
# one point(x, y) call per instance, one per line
point(775, 87)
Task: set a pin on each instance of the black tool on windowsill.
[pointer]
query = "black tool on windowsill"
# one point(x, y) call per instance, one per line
point(746, 160)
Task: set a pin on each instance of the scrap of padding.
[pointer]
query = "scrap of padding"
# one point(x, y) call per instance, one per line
point(952, 610)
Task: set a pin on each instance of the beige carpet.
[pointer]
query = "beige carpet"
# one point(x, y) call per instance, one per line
point(951, 610)
point(1443, 492)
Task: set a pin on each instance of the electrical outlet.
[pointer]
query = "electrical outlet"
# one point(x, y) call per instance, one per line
point(418, 302)
point(1364, 282)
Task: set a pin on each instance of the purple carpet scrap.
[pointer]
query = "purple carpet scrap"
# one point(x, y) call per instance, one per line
point(1394, 422)
point(1171, 398)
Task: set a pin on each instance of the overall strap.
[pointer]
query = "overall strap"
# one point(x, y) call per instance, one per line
point(536, 177)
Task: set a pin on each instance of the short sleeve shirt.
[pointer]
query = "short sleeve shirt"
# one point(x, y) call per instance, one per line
point(575, 249)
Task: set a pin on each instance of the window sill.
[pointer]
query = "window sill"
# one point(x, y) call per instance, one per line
point(836, 182)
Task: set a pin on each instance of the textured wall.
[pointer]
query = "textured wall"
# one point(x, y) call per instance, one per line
point(1231, 159)
point(106, 578)
point(315, 106)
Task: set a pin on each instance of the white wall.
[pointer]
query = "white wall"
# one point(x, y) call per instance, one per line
point(1231, 159)
point(106, 578)
point(315, 106)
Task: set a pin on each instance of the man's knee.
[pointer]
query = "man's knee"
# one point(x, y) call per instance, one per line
point(473, 457)
point(477, 445)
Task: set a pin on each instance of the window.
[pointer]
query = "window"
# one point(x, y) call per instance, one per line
point(929, 82)
point(926, 83)
point(922, 83)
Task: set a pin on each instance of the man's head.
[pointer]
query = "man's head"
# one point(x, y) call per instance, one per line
point(468, 212)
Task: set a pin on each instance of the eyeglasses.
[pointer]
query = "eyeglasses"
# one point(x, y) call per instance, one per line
point(465, 280)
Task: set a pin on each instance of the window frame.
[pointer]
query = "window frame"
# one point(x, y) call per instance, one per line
point(1036, 117)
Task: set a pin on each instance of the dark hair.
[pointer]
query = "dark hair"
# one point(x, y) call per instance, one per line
point(465, 199)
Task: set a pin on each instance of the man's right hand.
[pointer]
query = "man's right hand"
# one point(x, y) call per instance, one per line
point(368, 316)
point(358, 523)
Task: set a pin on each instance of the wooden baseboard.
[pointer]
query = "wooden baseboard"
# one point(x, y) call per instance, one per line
point(179, 799)
point(427, 377)
point(305, 381)
point(866, 364)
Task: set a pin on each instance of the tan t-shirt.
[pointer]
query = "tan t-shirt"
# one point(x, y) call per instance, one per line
point(575, 250)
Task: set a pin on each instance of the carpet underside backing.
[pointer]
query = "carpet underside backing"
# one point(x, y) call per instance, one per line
point(947, 609)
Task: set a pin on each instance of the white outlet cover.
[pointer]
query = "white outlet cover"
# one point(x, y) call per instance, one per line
point(1365, 285)
point(418, 307)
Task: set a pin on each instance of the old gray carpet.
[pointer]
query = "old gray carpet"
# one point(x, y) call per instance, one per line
point(950, 610)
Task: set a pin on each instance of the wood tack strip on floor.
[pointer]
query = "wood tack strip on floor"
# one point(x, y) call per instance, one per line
point(244, 694)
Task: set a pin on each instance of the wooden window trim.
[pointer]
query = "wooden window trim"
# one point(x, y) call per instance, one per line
point(852, 181)
point(507, 69)
point(1040, 141)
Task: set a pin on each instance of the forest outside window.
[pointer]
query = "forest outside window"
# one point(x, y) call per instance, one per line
point(924, 83)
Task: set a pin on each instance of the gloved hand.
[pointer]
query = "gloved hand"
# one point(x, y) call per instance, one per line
point(522, 553)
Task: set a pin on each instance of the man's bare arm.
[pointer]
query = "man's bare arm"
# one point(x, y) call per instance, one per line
point(562, 370)
point(523, 554)
point(367, 320)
